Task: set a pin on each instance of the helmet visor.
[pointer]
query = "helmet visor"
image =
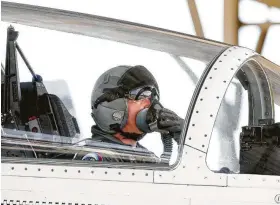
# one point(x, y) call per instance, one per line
point(142, 93)
point(137, 77)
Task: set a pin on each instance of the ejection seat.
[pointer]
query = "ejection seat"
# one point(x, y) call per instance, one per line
point(47, 103)
point(27, 106)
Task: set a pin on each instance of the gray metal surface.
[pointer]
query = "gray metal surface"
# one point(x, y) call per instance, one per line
point(111, 29)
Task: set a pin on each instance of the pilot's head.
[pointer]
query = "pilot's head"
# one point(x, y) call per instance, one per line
point(118, 97)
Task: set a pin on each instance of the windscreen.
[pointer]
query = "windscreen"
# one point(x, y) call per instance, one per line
point(69, 67)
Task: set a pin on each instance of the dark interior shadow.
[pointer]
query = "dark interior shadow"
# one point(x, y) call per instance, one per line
point(61, 89)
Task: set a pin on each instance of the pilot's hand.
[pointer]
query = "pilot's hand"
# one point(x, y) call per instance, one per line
point(169, 121)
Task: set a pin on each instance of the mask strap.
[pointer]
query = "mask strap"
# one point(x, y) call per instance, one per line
point(141, 91)
point(110, 94)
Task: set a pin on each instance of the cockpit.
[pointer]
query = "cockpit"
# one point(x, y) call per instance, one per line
point(223, 99)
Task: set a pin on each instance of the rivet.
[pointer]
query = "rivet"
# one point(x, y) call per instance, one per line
point(12, 168)
point(65, 170)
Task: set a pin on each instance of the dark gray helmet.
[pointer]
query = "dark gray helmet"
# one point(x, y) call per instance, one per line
point(111, 91)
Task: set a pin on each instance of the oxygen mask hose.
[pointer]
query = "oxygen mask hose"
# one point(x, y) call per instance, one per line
point(167, 148)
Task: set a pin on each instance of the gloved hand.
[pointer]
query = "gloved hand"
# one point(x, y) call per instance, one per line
point(169, 121)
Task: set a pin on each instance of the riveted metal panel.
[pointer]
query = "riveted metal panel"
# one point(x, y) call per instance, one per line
point(191, 170)
point(211, 95)
point(84, 192)
point(249, 180)
point(77, 191)
point(51, 171)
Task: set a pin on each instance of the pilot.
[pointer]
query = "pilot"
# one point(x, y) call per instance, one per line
point(125, 107)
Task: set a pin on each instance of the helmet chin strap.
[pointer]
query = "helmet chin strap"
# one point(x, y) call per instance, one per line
point(128, 135)
point(133, 136)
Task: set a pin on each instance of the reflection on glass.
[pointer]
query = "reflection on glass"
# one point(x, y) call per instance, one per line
point(99, 101)
point(246, 134)
point(233, 114)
